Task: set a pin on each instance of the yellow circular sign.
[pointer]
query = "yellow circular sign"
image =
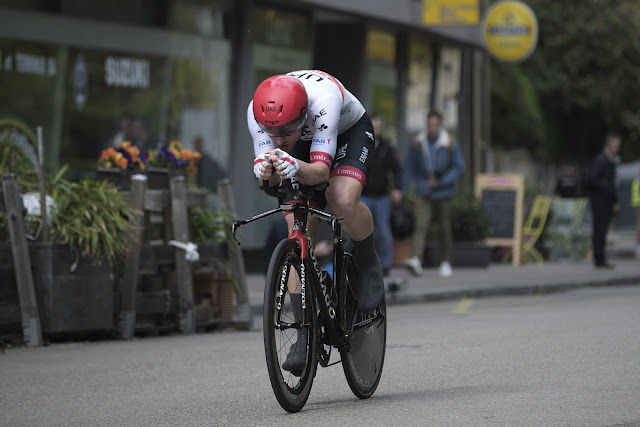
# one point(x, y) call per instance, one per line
point(511, 30)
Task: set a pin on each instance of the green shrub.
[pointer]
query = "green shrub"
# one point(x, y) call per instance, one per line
point(94, 218)
point(469, 222)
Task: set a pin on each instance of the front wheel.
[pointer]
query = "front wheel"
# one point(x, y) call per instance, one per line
point(284, 325)
point(362, 361)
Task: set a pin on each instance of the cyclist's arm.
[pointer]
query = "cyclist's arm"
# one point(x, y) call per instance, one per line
point(262, 145)
point(312, 173)
point(325, 117)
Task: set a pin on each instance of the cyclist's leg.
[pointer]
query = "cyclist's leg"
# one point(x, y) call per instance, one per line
point(348, 177)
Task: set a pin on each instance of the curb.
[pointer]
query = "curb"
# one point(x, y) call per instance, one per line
point(401, 298)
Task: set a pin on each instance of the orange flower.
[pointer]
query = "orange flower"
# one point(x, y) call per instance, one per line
point(134, 152)
point(186, 154)
point(196, 156)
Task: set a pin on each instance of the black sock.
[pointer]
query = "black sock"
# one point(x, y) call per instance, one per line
point(370, 288)
point(366, 247)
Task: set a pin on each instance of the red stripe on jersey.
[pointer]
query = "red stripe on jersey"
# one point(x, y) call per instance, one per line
point(319, 156)
point(351, 172)
point(256, 161)
point(333, 79)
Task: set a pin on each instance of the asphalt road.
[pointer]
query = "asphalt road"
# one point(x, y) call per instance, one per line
point(561, 359)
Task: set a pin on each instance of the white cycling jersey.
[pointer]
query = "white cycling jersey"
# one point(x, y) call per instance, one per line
point(332, 110)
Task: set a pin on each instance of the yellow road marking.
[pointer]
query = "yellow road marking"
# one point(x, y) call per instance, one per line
point(463, 306)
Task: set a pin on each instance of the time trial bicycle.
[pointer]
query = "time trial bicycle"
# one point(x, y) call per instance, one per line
point(330, 318)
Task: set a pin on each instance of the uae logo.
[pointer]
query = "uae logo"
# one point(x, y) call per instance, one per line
point(80, 83)
point(342, 152)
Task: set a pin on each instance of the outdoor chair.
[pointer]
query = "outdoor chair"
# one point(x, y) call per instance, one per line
point(537, 216)
point(570, 236)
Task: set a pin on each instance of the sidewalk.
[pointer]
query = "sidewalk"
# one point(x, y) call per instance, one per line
point(501, 279)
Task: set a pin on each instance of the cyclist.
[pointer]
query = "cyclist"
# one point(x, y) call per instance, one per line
point(313, 130)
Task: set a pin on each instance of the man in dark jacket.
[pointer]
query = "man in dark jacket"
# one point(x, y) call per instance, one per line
point(604, 197)
point(375, 193)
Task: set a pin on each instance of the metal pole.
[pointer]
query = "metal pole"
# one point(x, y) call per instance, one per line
point(43, 187)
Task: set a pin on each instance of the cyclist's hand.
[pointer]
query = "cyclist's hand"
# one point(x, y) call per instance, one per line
point(261, 167)
point(287, 166)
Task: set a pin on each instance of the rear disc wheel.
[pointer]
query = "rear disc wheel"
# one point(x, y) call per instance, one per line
point(363, 360)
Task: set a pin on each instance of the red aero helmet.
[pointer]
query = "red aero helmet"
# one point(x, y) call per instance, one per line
point(280, 105)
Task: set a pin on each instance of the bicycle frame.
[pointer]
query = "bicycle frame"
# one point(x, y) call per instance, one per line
point(331, 295)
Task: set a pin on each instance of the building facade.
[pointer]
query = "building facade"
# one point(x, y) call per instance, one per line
point(188, 68)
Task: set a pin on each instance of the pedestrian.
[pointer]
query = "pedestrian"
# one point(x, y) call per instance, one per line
point(603, 197)
point(435, 164)
point(568, 185)
point(375, 194)
point(209, 169)
point(124, 133)
point(635, 203)
point(142, 135)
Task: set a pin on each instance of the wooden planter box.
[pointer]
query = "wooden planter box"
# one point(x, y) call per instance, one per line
point(76, 301)
point(215, 292)
point(121, 178)
point(68, 302)
point(463, 254)
point(159, 178)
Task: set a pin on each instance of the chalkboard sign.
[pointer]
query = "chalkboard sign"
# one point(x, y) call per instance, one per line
point(502, 197)
point(500, 206)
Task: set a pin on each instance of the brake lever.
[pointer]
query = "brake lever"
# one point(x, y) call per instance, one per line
point(234, 227)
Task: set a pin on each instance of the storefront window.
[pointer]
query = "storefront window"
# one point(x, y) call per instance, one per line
point(31, 81)
point(193, 16)
point(381, 56)
point(281, 42)
point(137, 12)
point(174, 86)
point(418, 90)
point(449, 86)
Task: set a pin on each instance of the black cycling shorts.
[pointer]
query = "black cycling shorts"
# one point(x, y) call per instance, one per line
point(352, 159)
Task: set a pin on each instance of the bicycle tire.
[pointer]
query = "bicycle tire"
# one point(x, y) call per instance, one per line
point(363, 360)
point(291, 391)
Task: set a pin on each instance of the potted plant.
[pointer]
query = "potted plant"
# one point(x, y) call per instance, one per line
point(73, 272)
point(213, 286)
point(470, 227)
point(167, 160)
point(117, 165)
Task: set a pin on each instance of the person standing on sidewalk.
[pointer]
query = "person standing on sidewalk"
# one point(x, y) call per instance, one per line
point(635, 203)
point(375, 194)
point(604, 197)
point(435, 164)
